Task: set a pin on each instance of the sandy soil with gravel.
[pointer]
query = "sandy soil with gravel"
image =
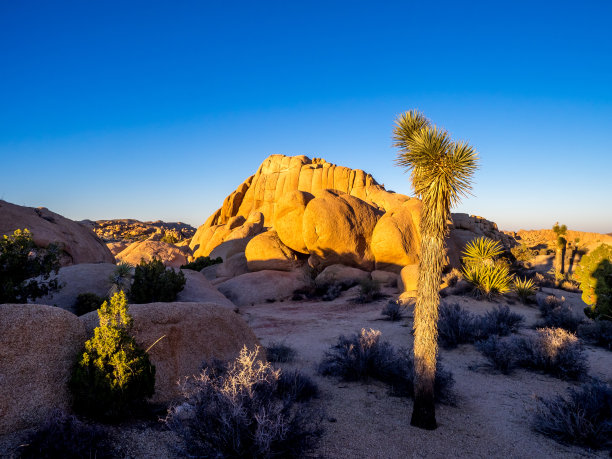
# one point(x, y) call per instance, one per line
point(491, 417)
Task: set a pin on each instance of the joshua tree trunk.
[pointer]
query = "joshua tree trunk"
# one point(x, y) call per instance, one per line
point(426, 330)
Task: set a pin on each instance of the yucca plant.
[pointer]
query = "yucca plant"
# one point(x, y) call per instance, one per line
point(488, 281)
point(481, 250)
point(524, 288)
point(441, 172)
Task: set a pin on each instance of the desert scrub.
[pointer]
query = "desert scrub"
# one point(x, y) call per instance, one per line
point(452, 277)
point(393, 311)
point(459, 326)
point(113, 375)
point(246, 408)
point(87, 302)
point(20, 262)
point(525, 289)
point(369, 290)
point(557, 314)
point(553, 351)
point(153, 282)
point(365, 356)
point(594, 274)
point(65, 436)
point(280, 352)
point(582, 418)
point(522, 253)
point(202, 262)
point(598, 332)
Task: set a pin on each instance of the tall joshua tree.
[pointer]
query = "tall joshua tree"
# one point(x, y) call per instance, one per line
point(561, 244)
point(440, 171)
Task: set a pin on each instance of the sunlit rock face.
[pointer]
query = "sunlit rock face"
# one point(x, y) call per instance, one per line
point(79, 244)
point(325, 214)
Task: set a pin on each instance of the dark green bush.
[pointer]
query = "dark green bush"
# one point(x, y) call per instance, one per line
point(202, 262)
point(153, 283)
point(280, 352)
point(598, 333)
point(369, 290)
point(87, 302)
point(113, 375)
point(67, 437)
point(20, 262)
point(393, 311)
point(594, 273)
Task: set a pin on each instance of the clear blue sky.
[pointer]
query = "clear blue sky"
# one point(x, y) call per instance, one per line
point(158, 110)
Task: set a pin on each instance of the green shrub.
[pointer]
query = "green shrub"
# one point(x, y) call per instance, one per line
point(20, 262)
point(369, 290)
point(525, 289)
point(113, 374)
point(87, 302)
point(522, 253)
point(153, 282)
point(594, 273)
point(488, 274)
point(120, 278)
point(170, 237)
point(280, 352)
point(202, 262)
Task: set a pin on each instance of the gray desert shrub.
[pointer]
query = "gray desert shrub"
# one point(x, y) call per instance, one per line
point(598, 332)
point(457, 326)
point(365, 356)
point(369, 290)
point(280, 352)
point(557, 314)
point(65, 436)
point(243, 411)
point(583, 417)
point(553, 351)
point(297, 386)
point(393, 311)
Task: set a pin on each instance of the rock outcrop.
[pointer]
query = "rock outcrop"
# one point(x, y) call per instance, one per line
point(190, 334)
point(267, 251)
point(39, 346)
point(129, 230)
point(263, 286)
point(169, 254)
point(345, 276)
point(79, 243)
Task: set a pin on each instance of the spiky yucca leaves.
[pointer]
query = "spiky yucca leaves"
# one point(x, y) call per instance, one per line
point(481, 250)
point(525, 289)
point(440, 172)
point(488, 281)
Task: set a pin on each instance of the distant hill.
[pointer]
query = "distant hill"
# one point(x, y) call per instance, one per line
point(130, 230)
point(534, 238)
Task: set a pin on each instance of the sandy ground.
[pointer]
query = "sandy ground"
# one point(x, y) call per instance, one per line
point(491, 417)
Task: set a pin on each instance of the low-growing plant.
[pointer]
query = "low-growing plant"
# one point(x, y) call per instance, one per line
point(582, 418)
point(522, 253)
point(452, 277)
point(120, 279)
point(393, 311)
point(280, 352)
point(25, 270)
point(87, 302)
point(153, 282)
point(65, 436)
point(113, 375)
point(246, 409)
point(488, 281)
point(557, 314)
point(597, 332)
point(170, 237)
point(525, 289)
point(553, 351)
point(369, 290)
point(365, 356)
point(202, 262)
point(459, 326)
point(481, 250)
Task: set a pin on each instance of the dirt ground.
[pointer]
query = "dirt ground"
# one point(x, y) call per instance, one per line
point(491, 417)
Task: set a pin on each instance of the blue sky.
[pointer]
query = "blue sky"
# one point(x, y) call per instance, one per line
point(158, 110)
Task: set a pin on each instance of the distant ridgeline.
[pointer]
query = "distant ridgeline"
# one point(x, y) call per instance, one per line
point(129, 230)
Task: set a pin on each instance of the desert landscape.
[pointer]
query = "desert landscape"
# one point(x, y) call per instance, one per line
point(344, 230)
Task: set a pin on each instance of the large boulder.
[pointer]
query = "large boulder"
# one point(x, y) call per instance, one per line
point(190, 334)
point(78, 242)
point(263, 286)
point(117, 247)
point(169, 254)
point(237, 232)
point(338, 229)
point(409, 278)
point(233, 266)
point(346, 276)
point(396, 238)
point(198, 289)
point(385, 278)
point(267, 251)
point(288, 219)
point(77, 279)
point(39, 346)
